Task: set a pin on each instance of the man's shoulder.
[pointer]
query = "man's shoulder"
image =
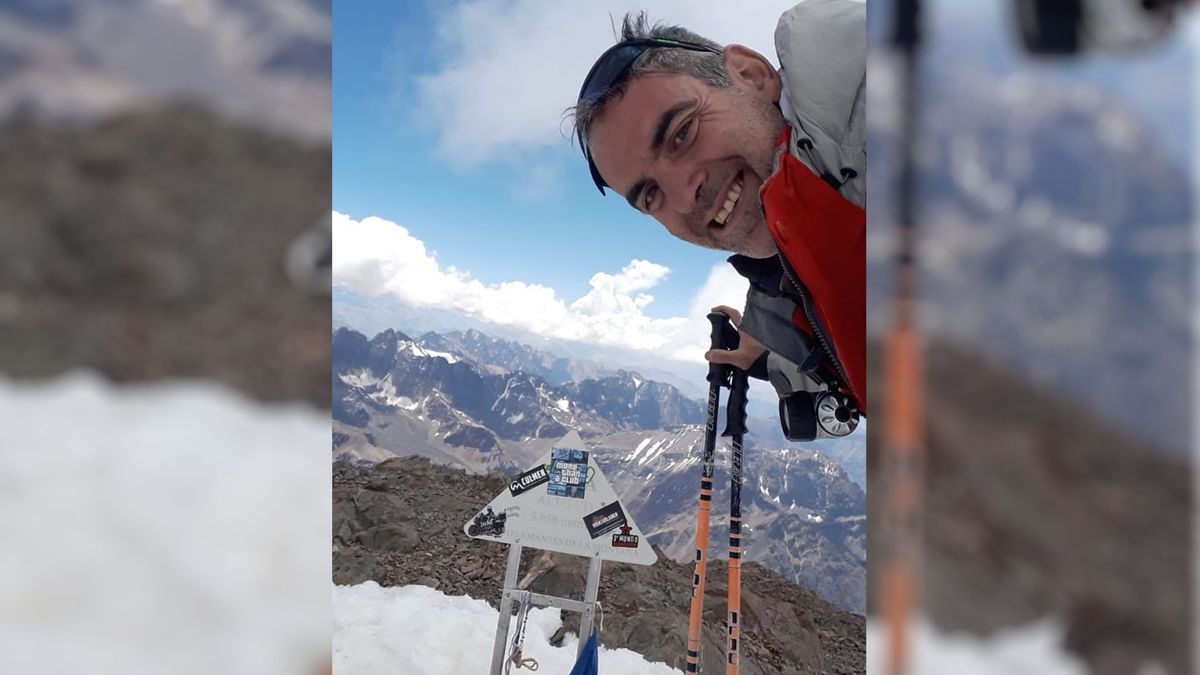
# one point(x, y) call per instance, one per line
point(822, 50)
point(824, 14)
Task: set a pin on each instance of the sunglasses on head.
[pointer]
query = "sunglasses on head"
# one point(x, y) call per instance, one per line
point(611, 68)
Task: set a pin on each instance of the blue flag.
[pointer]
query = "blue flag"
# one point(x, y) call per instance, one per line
point(589, 658)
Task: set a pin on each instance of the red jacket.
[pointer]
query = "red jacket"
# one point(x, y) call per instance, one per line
point(823, 238)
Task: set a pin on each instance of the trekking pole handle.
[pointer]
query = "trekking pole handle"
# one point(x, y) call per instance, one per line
point(723, 336)
point(735, 407)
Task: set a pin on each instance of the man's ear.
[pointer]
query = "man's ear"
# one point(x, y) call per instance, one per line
point(752, 71)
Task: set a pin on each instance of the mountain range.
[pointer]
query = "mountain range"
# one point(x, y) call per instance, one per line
point(1054, 234)
point(266, 62)
point(469, 400)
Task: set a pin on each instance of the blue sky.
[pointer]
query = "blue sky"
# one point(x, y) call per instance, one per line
point(460, 141)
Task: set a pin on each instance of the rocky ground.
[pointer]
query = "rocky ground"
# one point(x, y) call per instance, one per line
point(400, 523)
point(1037, 508)
point(152, 244)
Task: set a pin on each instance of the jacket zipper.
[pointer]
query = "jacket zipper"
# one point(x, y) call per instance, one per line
point(818, 328)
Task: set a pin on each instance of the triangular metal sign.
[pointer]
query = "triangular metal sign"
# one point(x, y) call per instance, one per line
point(564, 503)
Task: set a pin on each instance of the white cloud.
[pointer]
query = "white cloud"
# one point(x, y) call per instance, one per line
point(377, 257)
point(518, 64)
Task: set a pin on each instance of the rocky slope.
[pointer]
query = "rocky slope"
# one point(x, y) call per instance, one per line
point(1036, 508)
point(400, 522)
point(153, 244)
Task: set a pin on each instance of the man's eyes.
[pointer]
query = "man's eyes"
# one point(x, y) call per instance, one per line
point(650, 193)
point(682, 134)
point(648, 196)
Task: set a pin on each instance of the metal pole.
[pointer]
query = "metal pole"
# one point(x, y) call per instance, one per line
point(903, 382)
point(499, 649)
point(735, 420)
point(590, 593)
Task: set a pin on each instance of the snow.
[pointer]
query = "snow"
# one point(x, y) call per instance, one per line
point(1034, 648)
point(638, 450)
point(417, 350)
point(563, 404)
point(516, 418)
point(170, 528)
point(359, 378)
point(415, 630)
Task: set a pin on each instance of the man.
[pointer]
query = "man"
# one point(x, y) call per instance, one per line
point(730, 154)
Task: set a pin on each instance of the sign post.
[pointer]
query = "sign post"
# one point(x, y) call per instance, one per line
point(564, 503)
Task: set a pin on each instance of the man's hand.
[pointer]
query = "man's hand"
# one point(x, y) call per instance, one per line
point(748, 351)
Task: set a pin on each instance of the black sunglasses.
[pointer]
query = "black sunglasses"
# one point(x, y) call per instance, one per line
point(611, 68)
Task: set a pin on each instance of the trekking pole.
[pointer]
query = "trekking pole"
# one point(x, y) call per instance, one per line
point(735, 426)
point(903, 384)
point(717, 374)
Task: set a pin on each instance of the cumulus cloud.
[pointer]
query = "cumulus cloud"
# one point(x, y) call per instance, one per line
point(517, 64)
point(378, 257)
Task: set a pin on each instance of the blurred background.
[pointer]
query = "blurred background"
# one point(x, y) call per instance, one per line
point(1055, 253)
point(164, 335)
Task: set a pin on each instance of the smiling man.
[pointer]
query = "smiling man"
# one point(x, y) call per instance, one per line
point(729, 153)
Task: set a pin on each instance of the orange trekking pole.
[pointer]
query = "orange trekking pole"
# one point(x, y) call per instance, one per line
point(722, 337)
point(903, 436)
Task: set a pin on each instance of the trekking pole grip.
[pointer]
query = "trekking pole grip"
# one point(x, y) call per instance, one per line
point(723, 336)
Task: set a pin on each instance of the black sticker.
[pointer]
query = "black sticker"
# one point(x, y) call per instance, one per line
point(488, 524)
point(624, 539)
point(606, 519)
point(528, 480)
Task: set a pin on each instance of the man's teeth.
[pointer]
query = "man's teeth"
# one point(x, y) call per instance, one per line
point(731, 199)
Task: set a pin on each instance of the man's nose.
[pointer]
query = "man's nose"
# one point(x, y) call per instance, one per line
point(683, 190)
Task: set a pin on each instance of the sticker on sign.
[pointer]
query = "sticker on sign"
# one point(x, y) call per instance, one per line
point(574, 513)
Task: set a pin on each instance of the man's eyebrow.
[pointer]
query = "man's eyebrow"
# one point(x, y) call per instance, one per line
point(664, 123)
point(632, 195)
point(656, 143)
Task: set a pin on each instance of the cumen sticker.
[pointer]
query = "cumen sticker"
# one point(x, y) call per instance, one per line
point(528, 480)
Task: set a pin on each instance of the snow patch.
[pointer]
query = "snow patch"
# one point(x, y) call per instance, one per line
point(196, 517)
point(359, 378)
point(417, 350)
point(641, 446)
point(414, 629)
point(1035, 648)
point(563, 405)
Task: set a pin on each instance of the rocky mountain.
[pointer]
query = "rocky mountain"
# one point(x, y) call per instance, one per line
point(154, 243)
point(400, 522)
point(801, 514)
point(1038, 508)
point(262, 61)
point(505, 356)
point(1054, 227)
point(395, 395)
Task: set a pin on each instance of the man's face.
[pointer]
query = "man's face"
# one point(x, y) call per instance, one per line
point(692, 156)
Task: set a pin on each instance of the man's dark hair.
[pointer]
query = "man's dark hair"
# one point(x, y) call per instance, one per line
point(704, 66)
